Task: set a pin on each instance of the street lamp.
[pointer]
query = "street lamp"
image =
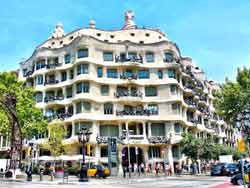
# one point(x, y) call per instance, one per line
point(126, 135)
point(83, 138)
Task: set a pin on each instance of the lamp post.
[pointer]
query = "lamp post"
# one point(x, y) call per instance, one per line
point(83, 138)
point(243, 125)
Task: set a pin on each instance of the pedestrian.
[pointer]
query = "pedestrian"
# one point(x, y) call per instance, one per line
point(1, 173)
point(166, 169)
point(124, 168)
point(135, 169)
point(142, 168)
point(157, 168)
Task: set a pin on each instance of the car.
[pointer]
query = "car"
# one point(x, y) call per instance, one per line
point(216, 169)
point(98, 171)
point(237, 179)
point(230, 169)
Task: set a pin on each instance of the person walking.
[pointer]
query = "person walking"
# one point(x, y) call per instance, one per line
point(142, 168)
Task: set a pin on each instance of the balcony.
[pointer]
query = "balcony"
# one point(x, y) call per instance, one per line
point(28, 73)
point(61, 116)
point(128, 94)
point(190, 103)
point(121, 59)
point(53, 98)
point(136, 112)
point(203, 99)
point(136, 137)
point(51, 82)
point(193, 120)
point(159, 140)
point(128, 76)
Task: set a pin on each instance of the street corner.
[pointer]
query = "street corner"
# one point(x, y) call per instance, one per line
point(226, 185)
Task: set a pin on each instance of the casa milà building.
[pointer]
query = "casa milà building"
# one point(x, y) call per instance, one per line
point(132, 79)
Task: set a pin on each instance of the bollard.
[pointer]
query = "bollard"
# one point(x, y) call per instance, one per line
point(41, 174)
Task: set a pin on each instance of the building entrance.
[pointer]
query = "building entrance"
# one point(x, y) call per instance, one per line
point(136, 157)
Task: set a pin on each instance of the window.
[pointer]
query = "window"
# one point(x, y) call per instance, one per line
point(83, 107)
point(171, 73)
point(153, 108)
point(109, 130)
point(39, 79)
point(160, 74)
point(25, 72)
point(82, 69)
point(39, 97)
point(143, 74)
point(63, 76)
point(107, 56)
point(99, 72)
point(150, 57)
point(176, 108)
point(82, 53)
point(82, 87)
point(69, 92)
point(173, 89)
point(168, 57)
point(78, 107)
point(67, 58)
point(112, 73)
point(177, 128)
point(150, 91)
point(158, 129)
point(80, 125)
point(108, 108)
point(176, 152)
point(105, 90)
point(104, 151)
point(154, 152)
point(71, 74)
point(40, 64)
point(86, 106)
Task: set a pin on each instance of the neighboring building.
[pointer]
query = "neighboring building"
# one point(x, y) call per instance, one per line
point(129, 79)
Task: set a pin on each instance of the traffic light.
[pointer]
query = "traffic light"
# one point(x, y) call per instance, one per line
point(88, 149)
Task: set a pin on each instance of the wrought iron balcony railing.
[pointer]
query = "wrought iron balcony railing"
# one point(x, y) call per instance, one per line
point(60, 116)
point(54, 65)
point(128, 94)
point(51, 82)
point(120, 59)
point(145, 112)
point(132, 76)
point(159, 140)
point(53, 98)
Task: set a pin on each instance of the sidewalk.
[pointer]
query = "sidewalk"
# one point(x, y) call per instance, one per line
point(109, 180)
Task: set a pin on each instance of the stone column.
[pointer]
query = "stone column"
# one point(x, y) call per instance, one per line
point(144, 130)
point(120, 128)
point(149, 129)
point(145, 154)
point(170, 157)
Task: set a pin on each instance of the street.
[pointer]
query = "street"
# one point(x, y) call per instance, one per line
point(176, 182)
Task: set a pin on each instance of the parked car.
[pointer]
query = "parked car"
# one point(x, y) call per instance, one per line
point(98, 171)
point(237, 179)
point(216, 170)
point(230, 169)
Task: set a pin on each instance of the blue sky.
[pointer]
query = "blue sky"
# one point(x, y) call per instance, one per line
point(215, 33)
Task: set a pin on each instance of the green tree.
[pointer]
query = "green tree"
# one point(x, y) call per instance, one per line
point(191, 146)
point(19, 118)
point(234, 96)
point(57, 133)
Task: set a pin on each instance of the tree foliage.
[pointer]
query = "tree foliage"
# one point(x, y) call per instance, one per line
point(30, 118)
point(234, 96)
point(205, 149)
point(57, 133)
